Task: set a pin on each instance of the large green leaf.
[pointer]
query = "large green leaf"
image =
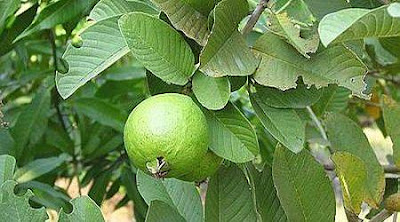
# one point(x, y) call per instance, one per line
point(7, 142)
point(232, 136)
point(178, 194)
point(297, 11)
point(298, 98)
point(303, 188)
point(84, 209)
point(7, 167)
point(160, 211)
point(320, 8)
point(281, 66)
point(283, 26)
point(32, 122)
point(15, 208)
point(102, 45)
point(102, 112)
point(268, 204)
point(160, 48)
point(356, 23)
point(58, 13)
point(6, 8)
point(226, 52)
point(346, 135)
point(284, 124)
point(391, 115)
point(109, 8)
point(352, 174)
point(213, 93)
point(38, 168)
point(333, 99)
point(190, 18)
point(229, 197)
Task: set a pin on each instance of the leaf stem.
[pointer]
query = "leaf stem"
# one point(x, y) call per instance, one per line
point(317, 123)
point(381, 216)
point(261, 6)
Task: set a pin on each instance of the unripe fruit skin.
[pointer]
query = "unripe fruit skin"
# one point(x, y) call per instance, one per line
point(206, 166)
point(392, 203)
point(170, 126)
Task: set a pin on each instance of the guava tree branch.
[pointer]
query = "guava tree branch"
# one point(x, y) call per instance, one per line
point(381, 216)
point(261, 6)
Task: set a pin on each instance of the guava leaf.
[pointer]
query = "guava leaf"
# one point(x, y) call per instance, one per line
point(32, 122)
point(105, 9)
point(298, 98)
point(38, 168)
point(160, 48)
point(212, 92)
point(333, 99)
point(284, 125)
point(352, 174)
point(267, 202)
point(357, 23)
point(231, 135)
point(391, 114)
point(84, 209)
point(7, 168)
point(6, 8)
point(57, 13)
point(229, 197)
point(179, 195)
point(226, 52)
point(160, 211)
point(102, 45)
point(103, 112)
point(7, 142)
point(303, 188)
point(15, 208)
point(346, 135)
point(321, 8)
point(284, 27)
point(298, 11)
point(188, 17)
point(281, 65)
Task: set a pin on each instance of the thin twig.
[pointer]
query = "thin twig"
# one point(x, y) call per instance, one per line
point(261, 6)
point(389, 78)
point(387, 168)
point(381, 216)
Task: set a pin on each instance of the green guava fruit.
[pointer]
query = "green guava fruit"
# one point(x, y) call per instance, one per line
point(392, 203)
point(206, 166)
point(166, 135)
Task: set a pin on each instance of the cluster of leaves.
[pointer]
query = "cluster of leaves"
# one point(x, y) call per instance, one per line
point(280, 99)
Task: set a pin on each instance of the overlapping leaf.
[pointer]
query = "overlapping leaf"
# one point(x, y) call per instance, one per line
point(179, 195)
point(213, 93)
point(345, 135)
point(304, 190)
point(298, 98)
point(15, 208)
point(284, 124)
point(356, 23)
point(6, 8)
point(160, 48)
point(84, 209)
point(281, 65)
point(190, 18)
point(391, 114)
point(38, 168)
point(57, 13)
point(394, 10)
point(7, 167)
point(232, 136)
point(102, 45)
point(333, 99)
point(267, 202)
point(109, 8)
point(160, 211)
point(226, 52)
point(32, 122)
point(352, 174)
point(229, 197)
